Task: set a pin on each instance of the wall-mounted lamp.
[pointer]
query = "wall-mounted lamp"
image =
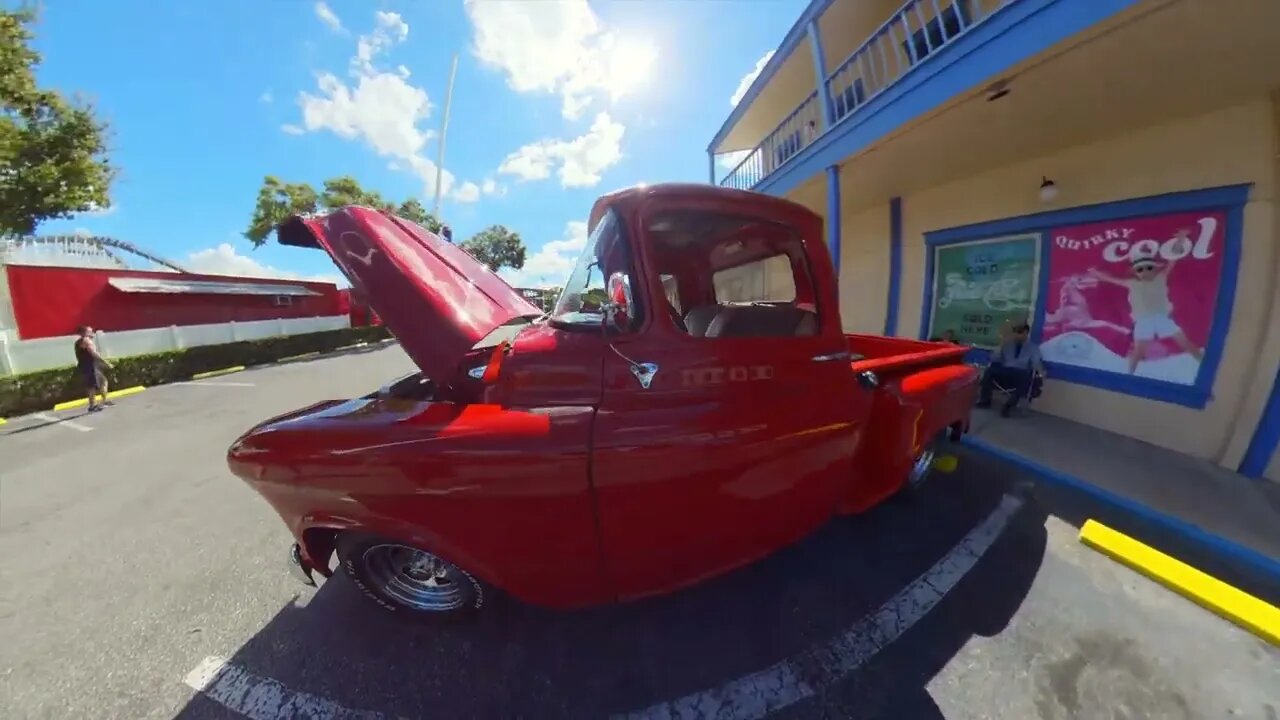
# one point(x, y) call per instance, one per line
point(1048, 190)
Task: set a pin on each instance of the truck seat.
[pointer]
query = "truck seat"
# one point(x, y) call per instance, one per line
point(762, 321)
point(699, 319)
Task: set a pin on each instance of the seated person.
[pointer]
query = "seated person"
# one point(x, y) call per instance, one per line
point(1012, 366)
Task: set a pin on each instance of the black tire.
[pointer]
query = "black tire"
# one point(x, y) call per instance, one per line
point(371, 562)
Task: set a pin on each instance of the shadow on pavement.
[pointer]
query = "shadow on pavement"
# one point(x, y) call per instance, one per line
point(516, 660)
point(41, 424)
point(1076, 507)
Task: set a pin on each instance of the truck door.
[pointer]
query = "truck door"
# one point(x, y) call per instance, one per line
point(725, 430)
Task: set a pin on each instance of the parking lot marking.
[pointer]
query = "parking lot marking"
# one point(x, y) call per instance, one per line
point(215, 373)
point(805, 674)
point(51, 419)
point(71, 404)
point(261, 698)
point(1237, 606)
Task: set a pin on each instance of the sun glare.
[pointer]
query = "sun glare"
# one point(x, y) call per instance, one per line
point(630, 67)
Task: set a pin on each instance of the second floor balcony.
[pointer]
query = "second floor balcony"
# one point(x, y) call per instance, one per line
point(861, 49)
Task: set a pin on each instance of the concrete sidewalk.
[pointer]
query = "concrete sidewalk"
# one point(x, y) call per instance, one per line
point(1238, 510)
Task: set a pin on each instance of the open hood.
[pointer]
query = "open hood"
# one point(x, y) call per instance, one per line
point(437, 299)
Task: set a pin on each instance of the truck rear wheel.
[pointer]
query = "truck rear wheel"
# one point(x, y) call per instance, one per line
point(408, 580)
point(920, 470)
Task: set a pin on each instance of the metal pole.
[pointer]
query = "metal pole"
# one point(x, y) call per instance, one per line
point(444, 130)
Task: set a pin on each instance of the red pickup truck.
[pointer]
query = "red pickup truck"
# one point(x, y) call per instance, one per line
point(690, 405)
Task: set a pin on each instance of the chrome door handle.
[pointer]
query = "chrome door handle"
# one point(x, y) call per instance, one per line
point(831, 356)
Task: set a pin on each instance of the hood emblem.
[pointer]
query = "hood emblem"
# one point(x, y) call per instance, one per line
point(644, 372)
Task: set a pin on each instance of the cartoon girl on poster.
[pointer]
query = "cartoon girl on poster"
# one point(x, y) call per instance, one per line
point(1149, 303)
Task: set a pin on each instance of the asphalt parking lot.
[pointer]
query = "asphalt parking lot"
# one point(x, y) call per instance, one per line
point(139, 579)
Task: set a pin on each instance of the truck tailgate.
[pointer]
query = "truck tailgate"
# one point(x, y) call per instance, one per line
point(925, 390)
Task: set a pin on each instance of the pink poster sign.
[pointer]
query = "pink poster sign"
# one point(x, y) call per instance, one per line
point(1134, 296)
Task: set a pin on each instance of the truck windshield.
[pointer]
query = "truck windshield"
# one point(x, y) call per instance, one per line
point(583, 298)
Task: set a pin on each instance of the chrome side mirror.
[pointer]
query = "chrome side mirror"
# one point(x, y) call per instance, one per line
point(620, 309)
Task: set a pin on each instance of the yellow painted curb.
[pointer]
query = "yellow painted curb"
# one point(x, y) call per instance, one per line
point(946, 463)
point(1241, 608)
point(3, 421)
point(298, 357)
point(70, 404)
point(215, 373)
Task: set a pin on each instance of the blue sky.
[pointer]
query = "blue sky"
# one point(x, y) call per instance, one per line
point(554, 104)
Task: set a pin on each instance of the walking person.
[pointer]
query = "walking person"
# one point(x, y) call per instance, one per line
point(89, 364)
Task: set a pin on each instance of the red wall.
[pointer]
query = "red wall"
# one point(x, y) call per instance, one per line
point(53, 301)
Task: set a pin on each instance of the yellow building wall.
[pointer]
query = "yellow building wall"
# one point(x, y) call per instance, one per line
point(864, 263)
point(1224, 147)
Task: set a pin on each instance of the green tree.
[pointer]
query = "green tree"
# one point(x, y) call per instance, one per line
point(52, 151)
point(413, 210)
point(278, 200)
point(496, 247)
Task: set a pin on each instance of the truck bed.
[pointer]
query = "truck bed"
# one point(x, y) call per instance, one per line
point(891, 356)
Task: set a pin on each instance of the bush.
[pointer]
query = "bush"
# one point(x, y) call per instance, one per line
point(41, 390)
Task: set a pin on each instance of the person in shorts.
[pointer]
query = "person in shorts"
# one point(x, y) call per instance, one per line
point(89, 365)
point(1150, 306)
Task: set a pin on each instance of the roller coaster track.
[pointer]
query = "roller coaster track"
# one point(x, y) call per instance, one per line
point(84, 245)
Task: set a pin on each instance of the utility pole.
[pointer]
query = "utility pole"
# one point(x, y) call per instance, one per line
point(444, 130)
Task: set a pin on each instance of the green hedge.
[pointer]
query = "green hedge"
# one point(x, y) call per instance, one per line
point(32, 392)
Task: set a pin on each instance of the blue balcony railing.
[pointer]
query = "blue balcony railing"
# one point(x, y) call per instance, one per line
point(792, 135)
point(913, 34)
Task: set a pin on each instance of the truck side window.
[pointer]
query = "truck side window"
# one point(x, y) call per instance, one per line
point(582, 301)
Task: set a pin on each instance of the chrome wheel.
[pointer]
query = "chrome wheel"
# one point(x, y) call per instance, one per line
point(921, 467)
point(417, 579)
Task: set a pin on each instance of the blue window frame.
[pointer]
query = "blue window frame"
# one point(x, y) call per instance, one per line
point(1230, 199)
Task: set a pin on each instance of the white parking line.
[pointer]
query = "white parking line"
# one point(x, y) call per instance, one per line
point(803, 675)
point(260, 698)
point(52, 419)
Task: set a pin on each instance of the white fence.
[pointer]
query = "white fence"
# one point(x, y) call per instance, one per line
point(21, 356)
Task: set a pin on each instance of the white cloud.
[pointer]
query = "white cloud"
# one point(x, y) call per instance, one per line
point(82, 232)
point(491, 187)
point(558, 47)
point(467, 192)
point(551, 264)
point(579, 162)
point(266, 98)
point(389, 30)
point(291, 129)
point(328, 17)
point(745, 83)
point(226, 260)
point(381, 109)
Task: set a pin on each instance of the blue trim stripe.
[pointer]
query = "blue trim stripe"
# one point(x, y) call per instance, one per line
point(895, 267)
point(833, 218)
point(788, 45)
point(1018, 31)
point(1231, 198)
point(1266, 437)
point(1254, 560)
